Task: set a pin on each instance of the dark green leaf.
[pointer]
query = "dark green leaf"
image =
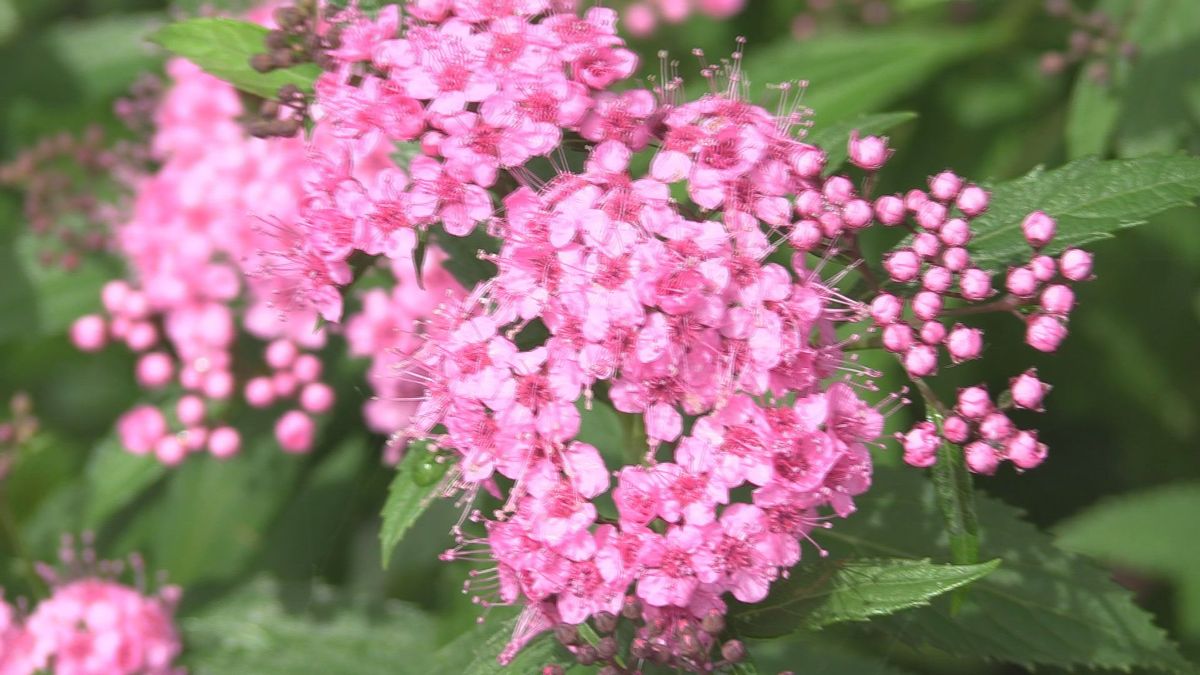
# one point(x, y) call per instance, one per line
point(1152, 532)
point(105, 53)
point(1089, 198)
point(819, 594)
point(223, 47)
point(835, 136)
point(254, 632)
point(462, 256)
point(1042, 606)
point(475, 652)
point(60, 296)
point(414, 488)
point(115, 478)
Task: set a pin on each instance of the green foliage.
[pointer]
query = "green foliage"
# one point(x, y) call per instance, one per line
point(1042, 606)
point(415, 486)
point(1089, 198)
point(223, 47)
point(263, 629)
point(1091, 118)
point(115, 478)
point(1152, 532)
point(462, 256)
point(827, 592)
point(475, 651)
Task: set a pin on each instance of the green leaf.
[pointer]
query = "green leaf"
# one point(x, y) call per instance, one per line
point(854, 73)
point(475, 652)
point(223, 47)
point(414, 488)
point(256, 632)
point(1042, 606)
point(1089, 198)
point(60, 296)
point(835, 136)
point(1091, 118)
point(601, 427)
point(105, 54)
point(1152, 532)
point(462, 256)
point(115, 478)
point(819, 594)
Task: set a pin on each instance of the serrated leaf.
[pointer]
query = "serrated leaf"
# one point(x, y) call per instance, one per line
point(1089, 198)
point(1152, 532)
point(253, 632)
point(1042, 606)
point(115, 478)
point(834, 137)
point(819, 594)
point(223, 47)
point(411, 492)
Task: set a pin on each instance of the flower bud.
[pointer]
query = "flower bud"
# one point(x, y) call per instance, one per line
point(1028, 391)
point(956, 259)
point(902, 266)
point(927, 245)
point(1039, 229)
point(913, 199)
point(932, 333)
point(869, 152)
point(1021, 282)
point(921, 445)
point(805, 235)
point(920, 360)
point(931, 215)
point(964, 344)
point(1024, 450)
point(927, 305)
point(190, 410)
point(1058, 299)
point(975, 284)
point(1044, 267)
point(897, 337)
point(154, 370)
point(259, 392)
point(857, 214)
point(170, 450)
point(972, 201)
point(218, 384)
point(831, 224)
point(808, 162)
point(810, 203)
point(981, 458)
point(974, 403)
point(937, 279)
point(224, 442)
point(316, 398)
point(886, 309)
point(955, 232)
point(294, 431)
point(733, 651)
point(1075, 264)
point(889, 209)
point(1044, 333)
point(945, 186)
point(996, 427)
point(838, 190)
point(280, 354)
point(88, 333)
point(956, 429)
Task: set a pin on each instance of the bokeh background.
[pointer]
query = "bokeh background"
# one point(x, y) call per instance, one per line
point(1125, 410)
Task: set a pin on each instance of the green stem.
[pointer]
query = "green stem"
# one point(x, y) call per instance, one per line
point(955, 494)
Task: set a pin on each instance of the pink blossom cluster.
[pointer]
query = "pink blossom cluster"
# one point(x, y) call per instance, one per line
point(657, 290)
point(91, 625)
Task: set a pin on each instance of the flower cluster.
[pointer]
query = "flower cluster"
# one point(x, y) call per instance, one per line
point(665, 292)
point(91, 625)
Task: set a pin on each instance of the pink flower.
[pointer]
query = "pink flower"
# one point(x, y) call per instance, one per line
point(670, 577)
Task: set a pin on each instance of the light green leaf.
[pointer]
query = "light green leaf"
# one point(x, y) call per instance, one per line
point(855, 73)
point(1042, 606)
point(223, 47)
point(115, 478)
point(105, 54)
point(819, 594)
point(833, 137)
point(60, 296)
point(255, 632)
point(1152, 532)
point(414, 488)
point(1089, 198)
point(1091, 118)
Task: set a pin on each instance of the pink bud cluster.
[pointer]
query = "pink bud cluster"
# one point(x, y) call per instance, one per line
point(1039, 292)
point(91, 625)
point(642, 17)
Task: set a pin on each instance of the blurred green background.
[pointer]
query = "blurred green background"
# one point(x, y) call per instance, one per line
point(1124, 414)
